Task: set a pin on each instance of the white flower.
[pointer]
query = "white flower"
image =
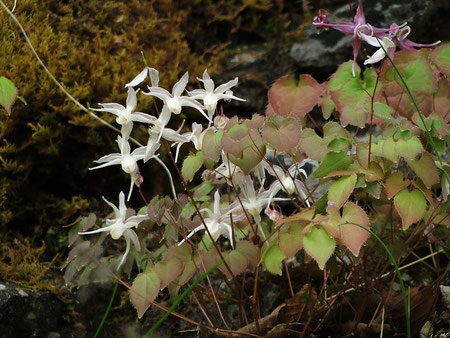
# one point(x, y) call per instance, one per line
point(151, 72)
point(287, 181)
point(173, 102)
point(195, 136)
point(217, 223)
point(253, 202)
point(158, 131)
point(126, 115)
point(210, 96)
point(127, 159)
point(385, 43)
point(121, 226)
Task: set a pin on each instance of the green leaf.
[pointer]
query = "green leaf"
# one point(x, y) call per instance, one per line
point(272, 259)
point(291, 242)
point(211, 145)
point(410, 148)
point(319, 245)
point(419, 77)
point(341, 190)
point(144, 290)
point(251, 157)
point(191, 165)
point(350, 94)
point(426, 169)
point(383, 112)
point(333, 162)
point(388, 149)
point(8, 94)
point(311, 144)
point(441, 58)
point(411, 206)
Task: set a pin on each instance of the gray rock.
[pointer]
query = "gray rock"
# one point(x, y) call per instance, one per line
point(28, 314)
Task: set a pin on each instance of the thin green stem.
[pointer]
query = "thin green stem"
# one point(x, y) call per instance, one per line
point(406, 299)
point(99, 328)
point(180, 298)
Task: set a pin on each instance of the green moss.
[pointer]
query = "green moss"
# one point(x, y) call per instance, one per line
point(22, 264)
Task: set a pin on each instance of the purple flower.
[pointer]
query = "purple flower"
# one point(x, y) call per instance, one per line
point(398, 35)
point(355, 28)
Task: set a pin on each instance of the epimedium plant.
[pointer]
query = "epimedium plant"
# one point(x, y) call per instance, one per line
point(378, 149)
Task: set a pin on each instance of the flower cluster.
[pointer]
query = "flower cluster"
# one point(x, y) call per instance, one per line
point(249, 201)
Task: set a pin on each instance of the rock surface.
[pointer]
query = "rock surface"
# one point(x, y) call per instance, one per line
point(29, 314)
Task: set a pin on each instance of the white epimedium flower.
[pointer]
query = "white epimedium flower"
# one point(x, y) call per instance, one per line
point(287, 182)
point(158, 131)
point(254, 202)
point(384, 44)
point(211, 96)
point(173, 102)
point(126, 115)
point(152, 73)
point(218, 223)
point(126, 159)
point(195, 136)
point(121, 226)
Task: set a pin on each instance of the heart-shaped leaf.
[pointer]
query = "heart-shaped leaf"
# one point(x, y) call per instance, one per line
point(283, 138)
point(272, 259)
point(144, 290)
point(395, 183)
point(350, 94)
point(426, 169)
point(251, 157)
point(287, 96)
point(211, 145)
point(319, 245)
point(409, 148)
point(236, 261)
point(191, 165)
point(441, 58)
point(311, 145)
point(419, 77)
point(410, 205)
point(251, 251)
point(333, 162)
point(352, 236)
point(341, 190)
point(291, 242)
point(169, 271)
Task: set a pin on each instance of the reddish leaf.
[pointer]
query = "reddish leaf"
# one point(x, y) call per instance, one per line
point(169, 271)
point(284, 137)
point(287, 96)
point(251, 251)
point(352, 236)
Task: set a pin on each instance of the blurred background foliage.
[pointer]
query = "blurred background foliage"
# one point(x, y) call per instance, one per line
point(94, 48)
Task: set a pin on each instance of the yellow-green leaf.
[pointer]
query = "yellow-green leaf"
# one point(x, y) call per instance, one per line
point(411, 206)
